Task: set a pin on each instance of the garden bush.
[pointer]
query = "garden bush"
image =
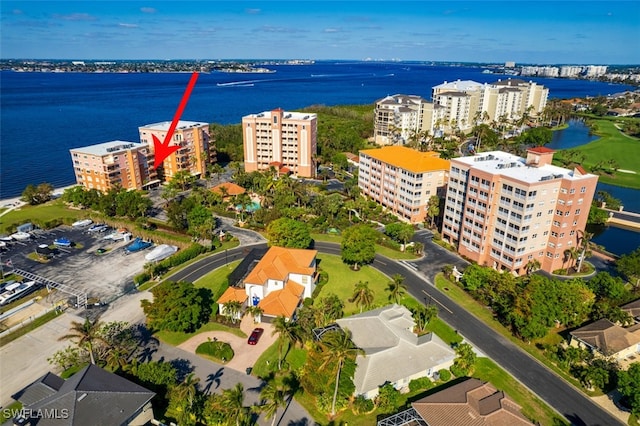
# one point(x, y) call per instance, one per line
point(362, 405)
point(422, 383)
point(445, 375)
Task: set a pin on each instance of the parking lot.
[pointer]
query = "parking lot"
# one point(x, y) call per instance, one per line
point(102, 276)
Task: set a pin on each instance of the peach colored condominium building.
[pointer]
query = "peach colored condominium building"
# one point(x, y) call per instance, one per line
point(196, 152)
point(117, 163)
point(280, 139)
point(402, 179)
point(505, 211)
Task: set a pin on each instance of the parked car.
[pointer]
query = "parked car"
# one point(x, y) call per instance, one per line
point(255, 336)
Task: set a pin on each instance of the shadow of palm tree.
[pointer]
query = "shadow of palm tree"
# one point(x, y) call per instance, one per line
point(183, 367)
point(213, 378)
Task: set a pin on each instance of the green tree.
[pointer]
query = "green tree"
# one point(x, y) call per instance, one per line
point(537, 136)
point(132, 204)
point(433, 210)
point(285, 232)
point(400, 231)
point(273, 397)
point(287, 334)
point(182, 179)
point(86, 334)
point(155, 372)
point(185, 400)
point(338, 347)
point(362, 296)
point(629, 387)
point(178, 307)
point(358, 245)
point(35, 195)
point(629, 266)
point(388, 399)
point(232, 310)
point(233, 403)
point(423, 315)
point(396, 288)
point(331, 308)
point(465, 358)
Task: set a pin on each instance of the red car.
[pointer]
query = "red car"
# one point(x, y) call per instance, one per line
point(255, 336)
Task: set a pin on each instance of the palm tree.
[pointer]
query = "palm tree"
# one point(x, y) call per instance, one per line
point(287, 333)
point(396, 288)
point(233, 402)
point(532, 266)
point(185, 394)
point(584, 245)
point(231, 310)
point(362, 295)
point(567, 255)
point(255, 311)
point(337, 346)
point(87, 333)
point(273, 397)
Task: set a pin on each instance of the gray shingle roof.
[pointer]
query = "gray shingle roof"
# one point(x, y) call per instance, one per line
point(94, 397)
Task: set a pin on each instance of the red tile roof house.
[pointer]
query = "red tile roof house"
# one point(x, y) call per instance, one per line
point(277, 284)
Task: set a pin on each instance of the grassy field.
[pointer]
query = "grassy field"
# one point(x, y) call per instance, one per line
point(176, 337)
point(43, 213)
point(615, 145)
point(217, 280)
point(385, 251)
point(342, 281)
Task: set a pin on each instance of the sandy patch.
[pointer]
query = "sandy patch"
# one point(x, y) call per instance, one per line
point(607, 402)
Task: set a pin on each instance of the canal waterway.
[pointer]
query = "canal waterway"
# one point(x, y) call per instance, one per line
point(616, 240)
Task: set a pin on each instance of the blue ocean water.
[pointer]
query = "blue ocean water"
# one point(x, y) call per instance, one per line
point(43, 115)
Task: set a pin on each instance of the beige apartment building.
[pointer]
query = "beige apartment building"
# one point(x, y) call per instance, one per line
point(402, 179)
point(110, 164)
point(197, 149)
point(457, 105)
point(504, 211)
point(280, 139)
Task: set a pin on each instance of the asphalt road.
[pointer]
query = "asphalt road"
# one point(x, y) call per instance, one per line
point(568, 401)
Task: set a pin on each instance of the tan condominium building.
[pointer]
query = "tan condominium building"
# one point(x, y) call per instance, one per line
point(457, 105)
point(197, 149)
point(401, 119)
point(505, 211)
point(114, 164)
point(469, 103)
point(402, 179)
point(280, 139)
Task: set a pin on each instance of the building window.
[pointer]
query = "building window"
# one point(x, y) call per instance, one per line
point(583, 189)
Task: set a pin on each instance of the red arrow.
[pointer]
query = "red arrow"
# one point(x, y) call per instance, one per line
point(163, 150)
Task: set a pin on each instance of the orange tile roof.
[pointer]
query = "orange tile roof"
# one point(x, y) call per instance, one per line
point(232, 188)
point(282, 302)
point(408, 159)
point(279, 262)
point(233, 294)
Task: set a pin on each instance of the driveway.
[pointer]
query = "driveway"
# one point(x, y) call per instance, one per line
point(245, 355)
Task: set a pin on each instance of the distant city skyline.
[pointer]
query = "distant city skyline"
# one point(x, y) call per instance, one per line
point(542, 32)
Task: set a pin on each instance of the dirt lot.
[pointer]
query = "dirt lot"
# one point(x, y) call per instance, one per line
point(102, 276)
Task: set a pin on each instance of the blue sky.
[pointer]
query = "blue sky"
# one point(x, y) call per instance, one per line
point(541, 32)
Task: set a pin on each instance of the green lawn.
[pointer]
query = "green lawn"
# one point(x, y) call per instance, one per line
point(532, 406)
point(385, 251)
point(342, 280)
point(613, 144)
point(176, 337)
point(43, 213)
point(217, 280)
